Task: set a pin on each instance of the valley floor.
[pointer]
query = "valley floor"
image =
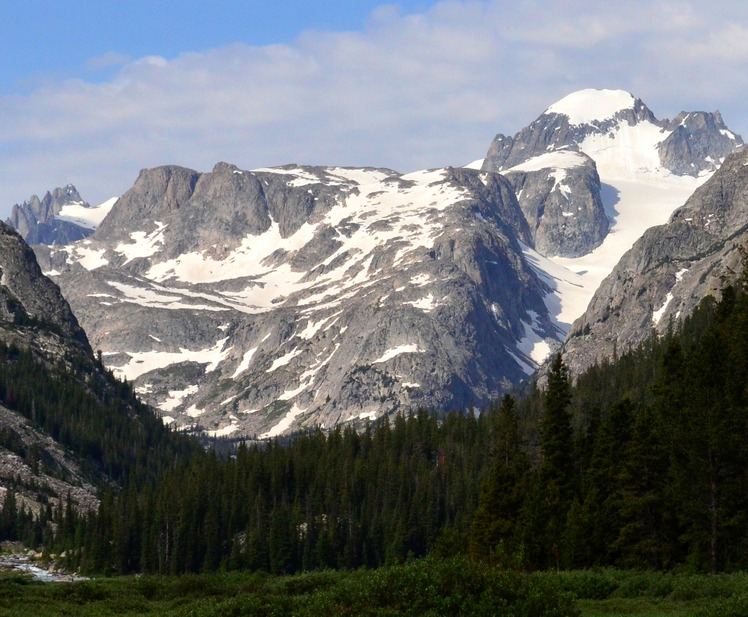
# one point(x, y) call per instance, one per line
point(424, 587)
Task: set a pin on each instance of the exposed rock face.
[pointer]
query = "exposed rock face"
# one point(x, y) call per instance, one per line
point(699, 141)
point(590, 122)
point(52, 472)
point(37, 219)
point(33, 313)
point(34, 316)
point(669, 270)
point(260, 302)
point(559, 194)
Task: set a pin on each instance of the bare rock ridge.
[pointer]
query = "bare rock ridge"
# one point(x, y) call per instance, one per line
point(38, 220)
point(567, 191)
point(258, 302)
point(669, 270)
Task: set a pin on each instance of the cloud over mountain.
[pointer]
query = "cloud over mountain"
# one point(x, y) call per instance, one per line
point(409, 91)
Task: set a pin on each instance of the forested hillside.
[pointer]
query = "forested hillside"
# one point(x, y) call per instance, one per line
point(641, 463)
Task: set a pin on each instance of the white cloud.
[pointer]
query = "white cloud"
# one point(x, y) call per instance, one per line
point(408, 92)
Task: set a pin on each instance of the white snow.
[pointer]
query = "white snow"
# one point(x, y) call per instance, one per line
point(301, 177)
point(477, 164)
point(90, 217)
point(657, 315)
point(312, 327)
point(359, 176)
point(244, 364)
point(284, 424)
point(532, 344)
point(88, 258)
point(427, 304)
point(556, 159)
point(151, 298)
point(143, 244)
point(401, 349)
point(194, 412)
point(528, 369)
point(283, 360)
point(176, 398)
point(226, 430)
point(142, 362)
point(419, 280)
point(592, 106)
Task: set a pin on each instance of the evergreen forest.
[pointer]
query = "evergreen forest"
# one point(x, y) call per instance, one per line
point(641, 463)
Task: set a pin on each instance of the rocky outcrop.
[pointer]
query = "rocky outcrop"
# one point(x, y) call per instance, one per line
point(36, 219)
point(259, 302)
point(33, 313)
point(699, 141)
point(560, 197)
point(38, 468)
point(669, 270)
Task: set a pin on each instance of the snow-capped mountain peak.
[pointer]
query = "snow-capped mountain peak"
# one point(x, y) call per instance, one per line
point(264, 301)
point(592, 106)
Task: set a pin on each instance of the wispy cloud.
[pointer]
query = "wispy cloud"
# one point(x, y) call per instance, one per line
point(408, 92)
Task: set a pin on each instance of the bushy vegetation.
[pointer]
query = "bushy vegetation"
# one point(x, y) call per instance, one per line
point(641, 464)
point(456, 587)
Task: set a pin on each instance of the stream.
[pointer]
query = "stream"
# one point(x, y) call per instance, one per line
point(21, 563)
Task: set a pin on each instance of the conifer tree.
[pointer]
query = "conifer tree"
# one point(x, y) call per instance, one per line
point(493, 531)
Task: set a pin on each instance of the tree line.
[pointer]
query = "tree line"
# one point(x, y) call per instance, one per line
point(640, 463)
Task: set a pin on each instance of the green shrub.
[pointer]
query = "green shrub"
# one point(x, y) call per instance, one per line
point(734, 606)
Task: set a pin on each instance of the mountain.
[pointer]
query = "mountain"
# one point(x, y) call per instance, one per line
point(67, 427)
point(259, 302)
point(668, 270)
point(646, 168)
point(34, 317)
point(60, 217)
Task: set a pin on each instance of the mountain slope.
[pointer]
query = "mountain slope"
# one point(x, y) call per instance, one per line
point(669, 270)
point(66, 426)
point(60, 217)
point(257, 302)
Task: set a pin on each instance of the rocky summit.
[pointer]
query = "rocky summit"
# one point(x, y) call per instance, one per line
point(669, 270)
point(257, 302)
point(60, 217)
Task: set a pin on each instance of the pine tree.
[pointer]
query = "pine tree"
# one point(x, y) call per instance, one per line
point(493, 531)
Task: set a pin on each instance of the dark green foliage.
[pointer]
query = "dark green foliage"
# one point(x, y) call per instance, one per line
point(424, 587)
point(341, 499)
point(110, 431)
point(493, 533)
point(641, 463)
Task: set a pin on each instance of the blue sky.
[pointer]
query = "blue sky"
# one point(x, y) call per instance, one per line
point(44, 41)
point(92, 92)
